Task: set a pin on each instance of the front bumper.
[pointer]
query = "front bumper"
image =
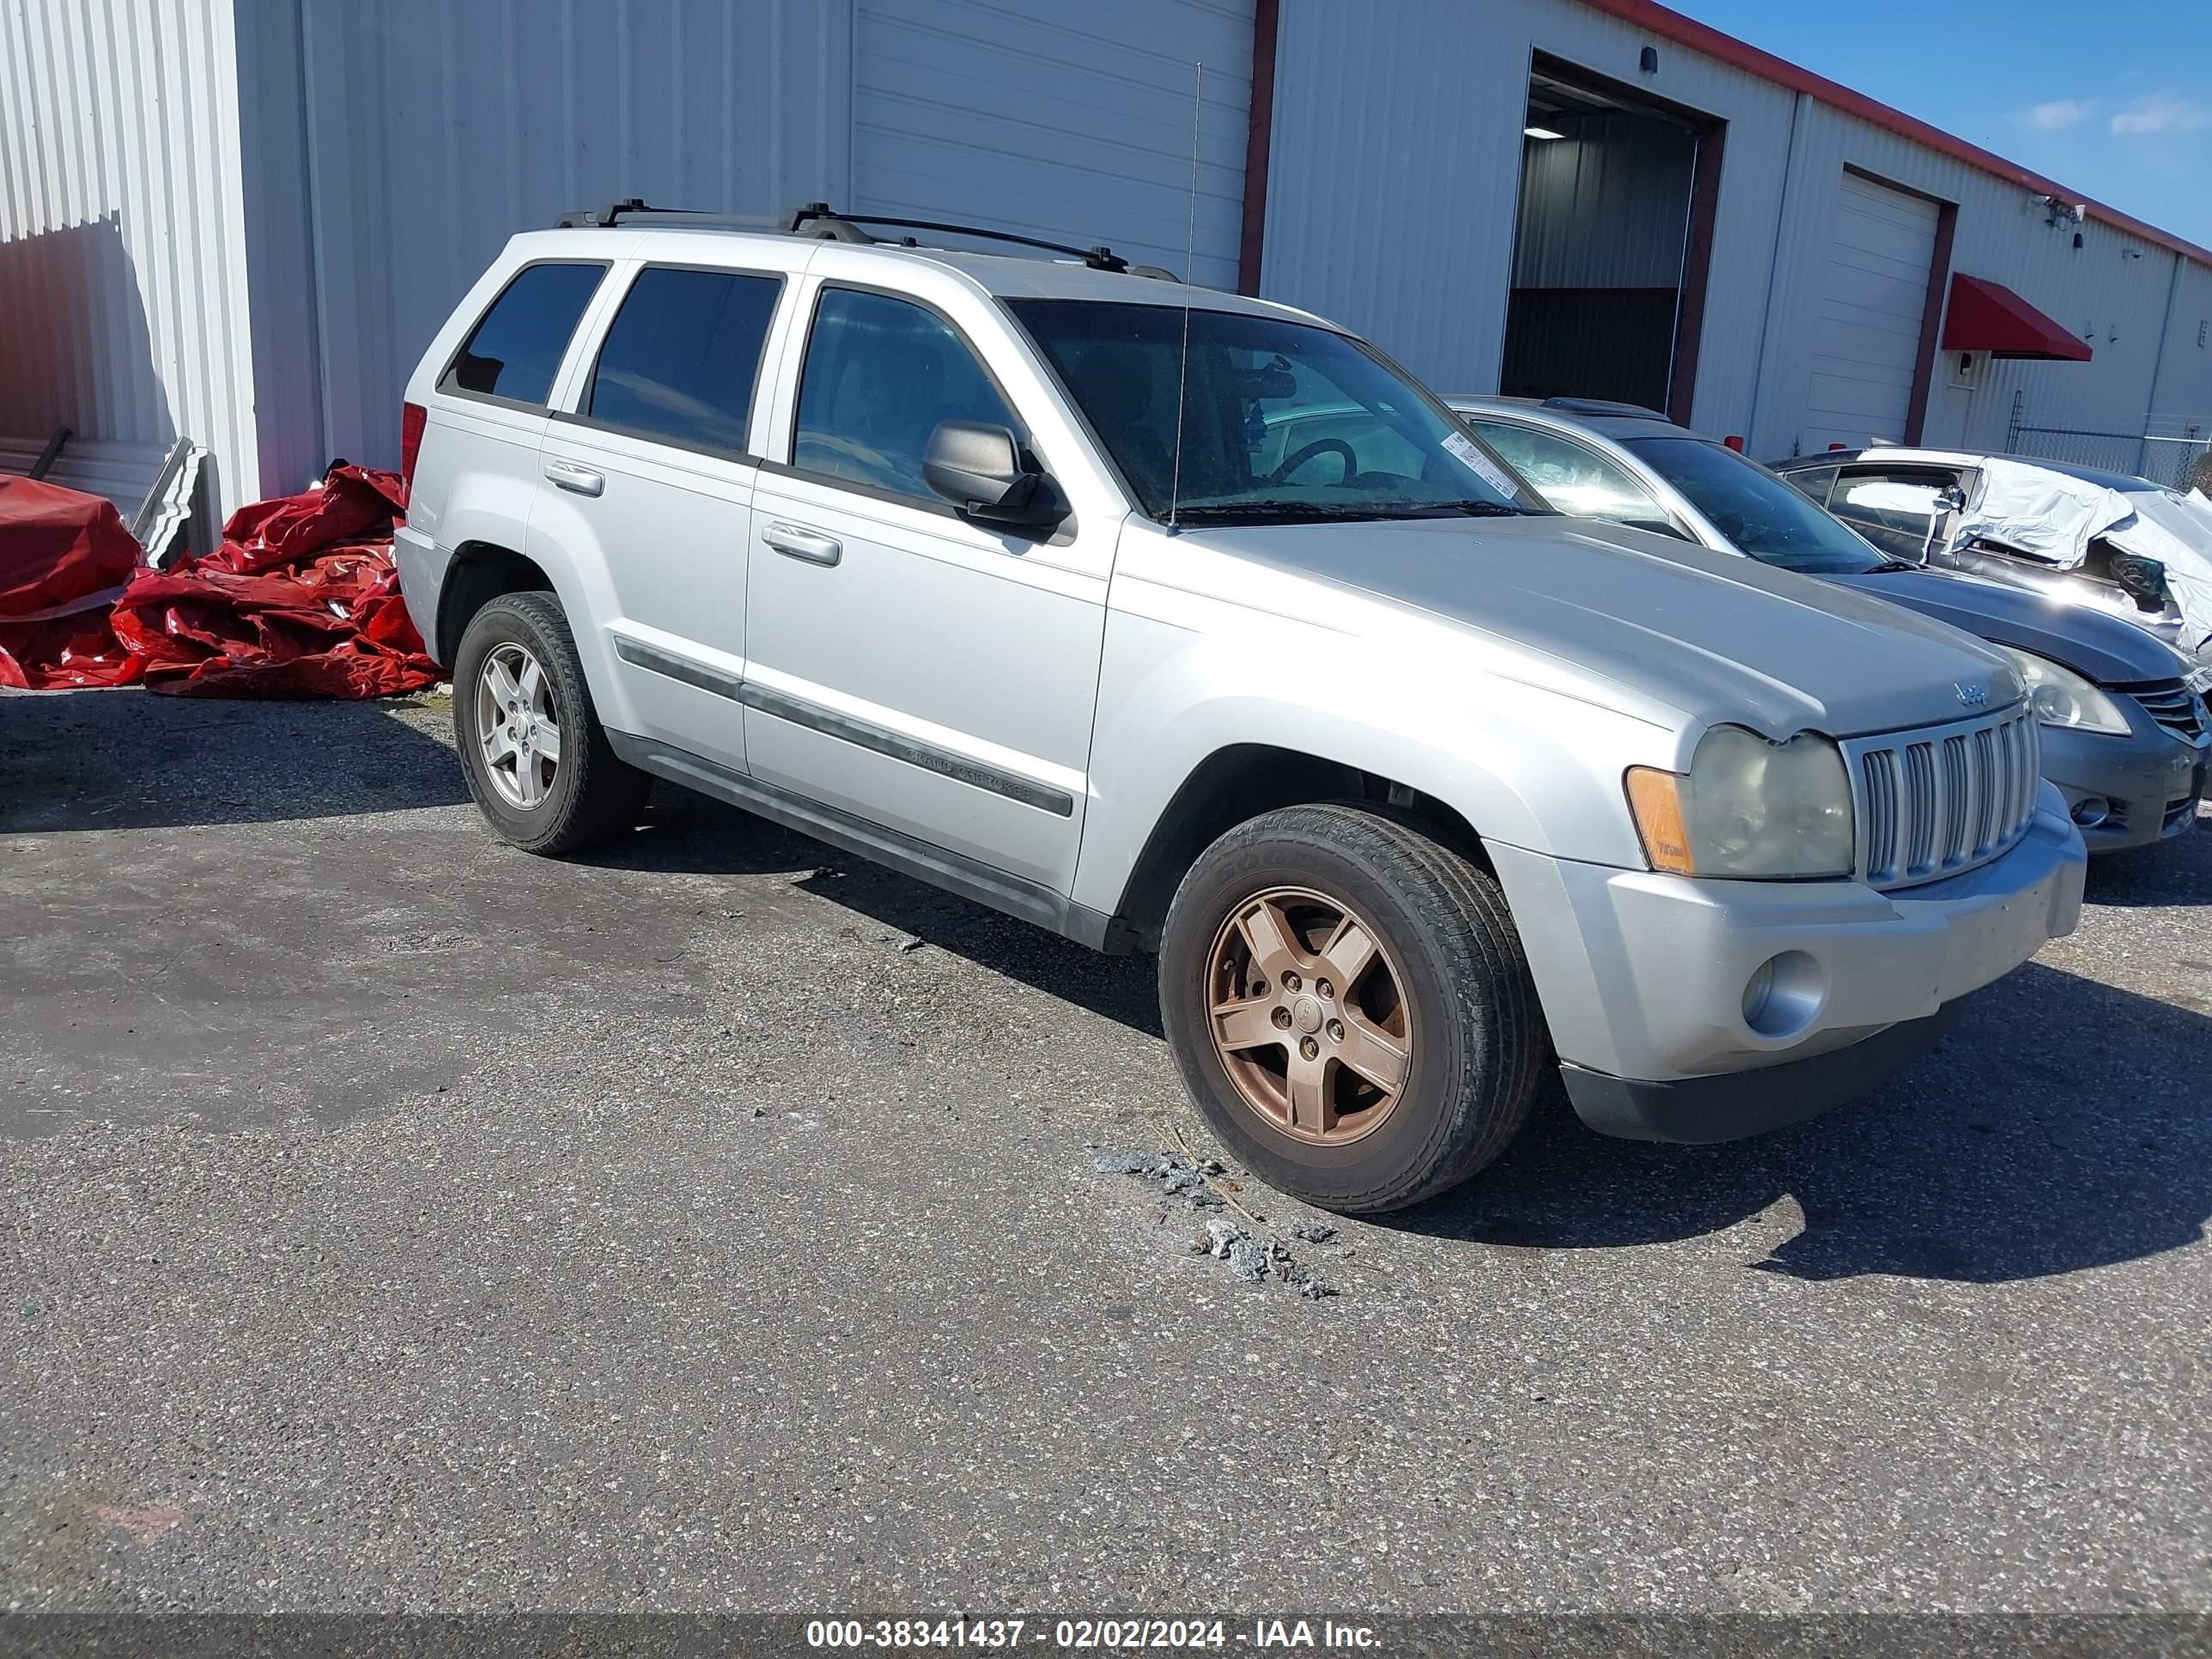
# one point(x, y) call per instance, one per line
point(2137, 789)
point(1643, 975)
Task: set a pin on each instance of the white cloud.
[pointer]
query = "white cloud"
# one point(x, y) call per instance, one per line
point(2162, 112)
point(2057, 115)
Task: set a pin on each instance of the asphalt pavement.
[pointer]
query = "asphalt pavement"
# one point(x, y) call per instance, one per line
point(397, 1221)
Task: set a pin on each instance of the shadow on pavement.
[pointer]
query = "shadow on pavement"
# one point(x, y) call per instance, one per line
point(2061, 1125)
point(128, 760)
point(2172, 872)
point(691, 833)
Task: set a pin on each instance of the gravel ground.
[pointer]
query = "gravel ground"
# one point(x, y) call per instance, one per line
point(397, 1221)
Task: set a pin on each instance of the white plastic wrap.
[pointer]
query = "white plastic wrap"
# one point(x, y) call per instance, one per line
point(2177, 531)
point(2046, 515)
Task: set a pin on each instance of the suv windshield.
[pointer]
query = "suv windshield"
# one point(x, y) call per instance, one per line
point(1759, 513)
point(1279, 422)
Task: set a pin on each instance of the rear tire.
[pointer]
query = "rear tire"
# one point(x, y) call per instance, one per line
point(518, 690)
point(1443, 1003)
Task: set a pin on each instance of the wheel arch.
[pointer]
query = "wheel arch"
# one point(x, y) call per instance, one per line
point(478, 573)
point(1240, 781)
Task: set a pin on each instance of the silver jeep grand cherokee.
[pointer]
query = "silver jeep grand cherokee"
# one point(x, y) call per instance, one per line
point(995, 569)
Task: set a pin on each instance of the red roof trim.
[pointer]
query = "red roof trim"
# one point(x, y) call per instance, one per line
point(1987, 316)
point(1741, 54)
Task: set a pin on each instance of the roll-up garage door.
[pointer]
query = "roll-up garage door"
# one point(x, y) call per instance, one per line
point(1866, 338)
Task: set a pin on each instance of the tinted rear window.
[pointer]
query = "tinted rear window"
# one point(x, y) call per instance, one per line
point(515, 349)
point(682, 354)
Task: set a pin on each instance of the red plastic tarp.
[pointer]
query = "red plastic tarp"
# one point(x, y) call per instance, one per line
point(63, 556)
point(300, 601)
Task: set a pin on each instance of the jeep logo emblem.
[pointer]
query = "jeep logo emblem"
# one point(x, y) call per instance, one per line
point(1974, 696)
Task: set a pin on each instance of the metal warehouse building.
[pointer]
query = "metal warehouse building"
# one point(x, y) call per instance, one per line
point(242, 220)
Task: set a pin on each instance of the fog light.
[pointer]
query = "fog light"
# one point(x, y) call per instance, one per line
point(1756, 990)
point(1784, 994)
point(2091, 811)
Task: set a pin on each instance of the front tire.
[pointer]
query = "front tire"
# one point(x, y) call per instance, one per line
point(537, 759)
point(1350, 1007)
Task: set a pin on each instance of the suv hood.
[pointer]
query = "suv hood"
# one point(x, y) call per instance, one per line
point(1712, 637)
point(2103, 647)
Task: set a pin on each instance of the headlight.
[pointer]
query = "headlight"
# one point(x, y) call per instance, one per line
point(1747, 808)
point(2063, 698)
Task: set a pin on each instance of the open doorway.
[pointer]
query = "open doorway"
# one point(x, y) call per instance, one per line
point(1611, 243)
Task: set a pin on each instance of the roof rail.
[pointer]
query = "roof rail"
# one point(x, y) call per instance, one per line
point(819, 214)
point(1604, 406)
point(818, 220)
point(631, 209)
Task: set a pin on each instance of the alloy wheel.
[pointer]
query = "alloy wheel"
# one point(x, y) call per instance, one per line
point(1309, 1015)
point(518, 725)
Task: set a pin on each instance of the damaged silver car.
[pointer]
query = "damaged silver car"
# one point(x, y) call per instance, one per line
point(2108, 540)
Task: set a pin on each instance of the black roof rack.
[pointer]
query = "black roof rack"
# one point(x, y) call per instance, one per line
point(820, 221)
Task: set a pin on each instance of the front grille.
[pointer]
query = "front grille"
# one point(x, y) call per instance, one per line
point(2176, 707)
point(1933, 803)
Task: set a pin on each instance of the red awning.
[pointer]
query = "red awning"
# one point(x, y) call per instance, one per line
point(1986, 316)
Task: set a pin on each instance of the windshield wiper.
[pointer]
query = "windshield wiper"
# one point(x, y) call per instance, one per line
point(1292, 512)
point(1481, 509)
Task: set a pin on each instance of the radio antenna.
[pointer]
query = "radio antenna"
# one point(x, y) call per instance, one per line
point(1189, 244)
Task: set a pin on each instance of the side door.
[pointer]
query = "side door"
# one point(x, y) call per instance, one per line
point(649, 474)
point(934, 677)
point(1576, 478)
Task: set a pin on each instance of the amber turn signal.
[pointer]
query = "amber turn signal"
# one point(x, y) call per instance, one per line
point(1654, 801)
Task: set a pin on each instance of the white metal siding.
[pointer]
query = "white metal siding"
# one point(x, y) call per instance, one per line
point(1395, 173)
point(1071, 123)
point(1392, 196)
point(434, 130)
point(123, 297)
point(1866, 335)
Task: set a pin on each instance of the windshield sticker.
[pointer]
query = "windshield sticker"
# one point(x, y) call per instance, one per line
point(1470, 452)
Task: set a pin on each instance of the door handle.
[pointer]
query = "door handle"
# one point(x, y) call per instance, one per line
point(581, 479)
point(812, 545)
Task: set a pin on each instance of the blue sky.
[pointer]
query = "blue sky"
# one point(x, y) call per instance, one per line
point(2111, 98)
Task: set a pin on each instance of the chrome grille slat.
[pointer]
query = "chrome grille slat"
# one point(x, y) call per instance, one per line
point(1922, 806)
point(1934, 803)
point(1992, 793)
point(2176, 707)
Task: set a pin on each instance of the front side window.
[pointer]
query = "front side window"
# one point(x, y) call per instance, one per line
point(880, 374)
point(515, 350)
point(1574, 477)
point(1230, 417)
point(1760, 515)
point(1896, 511)
point(681, 358)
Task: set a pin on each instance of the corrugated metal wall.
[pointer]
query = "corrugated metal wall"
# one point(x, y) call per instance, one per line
point(431, 130)
point(1071, 123)
point(1395, 175)
point(1393, 192)
point(123, 280)
point(2117, 303)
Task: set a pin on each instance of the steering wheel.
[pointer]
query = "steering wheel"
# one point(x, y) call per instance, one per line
point(1318, 446)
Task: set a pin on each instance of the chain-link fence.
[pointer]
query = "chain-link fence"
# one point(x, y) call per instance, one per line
point(2164, 448)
